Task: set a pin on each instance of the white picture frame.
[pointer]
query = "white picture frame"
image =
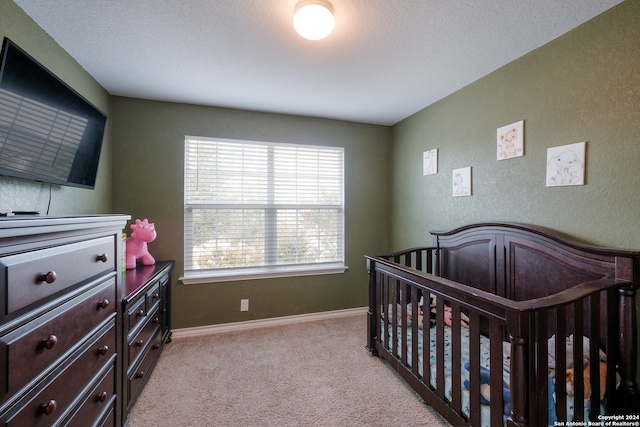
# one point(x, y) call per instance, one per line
point(510, 141)
point(462, 182)
point(566, 164)
point(430, 162)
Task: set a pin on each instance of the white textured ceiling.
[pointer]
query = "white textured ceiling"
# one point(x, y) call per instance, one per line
point(385, 60)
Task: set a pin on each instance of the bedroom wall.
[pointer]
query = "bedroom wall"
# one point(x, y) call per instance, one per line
point(148, 138)
point(19, 194)
point(583, 86)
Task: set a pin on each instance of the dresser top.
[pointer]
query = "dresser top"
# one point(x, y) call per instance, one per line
point(136, 279)
point(20, 225)
point(31, 220)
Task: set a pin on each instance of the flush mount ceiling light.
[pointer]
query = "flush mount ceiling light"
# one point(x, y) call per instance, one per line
point(313, 19)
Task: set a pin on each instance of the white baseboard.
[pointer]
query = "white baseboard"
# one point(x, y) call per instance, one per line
point(261, 323)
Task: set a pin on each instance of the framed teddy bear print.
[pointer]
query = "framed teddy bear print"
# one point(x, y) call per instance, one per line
point(511, 140)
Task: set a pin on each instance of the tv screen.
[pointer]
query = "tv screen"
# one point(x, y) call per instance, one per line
point(48, 132)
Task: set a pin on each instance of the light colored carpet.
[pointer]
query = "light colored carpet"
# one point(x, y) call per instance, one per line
point(305, 374)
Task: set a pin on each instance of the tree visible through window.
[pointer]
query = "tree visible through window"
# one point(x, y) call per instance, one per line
point(263, 207)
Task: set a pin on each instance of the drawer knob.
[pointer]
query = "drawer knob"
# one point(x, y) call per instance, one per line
point(49, 277)
point(139, 343)
point(50, 342)
point(102, 396)
point(102, 258)
point(140, 313)
point(156, 296)
point(104, 303)
point(156, 346)
point(140, 375)
point(156, 320)
point(49, 407)
point(103, 351)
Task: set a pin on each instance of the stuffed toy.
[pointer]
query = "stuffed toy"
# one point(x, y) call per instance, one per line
point(485, 394)
point(587, 380)
point(142, 233)
point(448, 314)
point(485, 389)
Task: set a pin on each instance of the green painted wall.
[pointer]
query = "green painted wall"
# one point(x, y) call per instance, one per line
point(19, 194)
point(148, 138)
point(583, 86)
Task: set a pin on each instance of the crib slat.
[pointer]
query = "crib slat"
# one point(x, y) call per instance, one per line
point(440, 346)
point(385, 306)
point(403, 325)
point(426, 346)
point(539, 417)
point(496, 335)
point(560, 363)
point(578, 349)
point(611, 346)
point(474, 369)
point(415, 329)
point(382, 309)
point(394, 318)
point(594, 355)
point(456, 349)
point(530, 368)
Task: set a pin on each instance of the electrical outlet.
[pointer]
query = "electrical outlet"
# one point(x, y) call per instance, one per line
point(244, 305)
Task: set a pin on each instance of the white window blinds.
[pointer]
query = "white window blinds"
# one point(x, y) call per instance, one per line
point(258, 207)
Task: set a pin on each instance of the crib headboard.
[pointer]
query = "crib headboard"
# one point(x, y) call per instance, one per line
point(521, 262)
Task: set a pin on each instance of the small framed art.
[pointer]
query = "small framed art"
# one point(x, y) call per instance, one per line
point(462, 182)
point(510, 140)
point(565, 165)
point(430, 162)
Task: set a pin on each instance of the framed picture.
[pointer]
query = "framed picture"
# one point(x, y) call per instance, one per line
point(430, 162)
point(462, 182)
point(510, 141)
point(565, 165)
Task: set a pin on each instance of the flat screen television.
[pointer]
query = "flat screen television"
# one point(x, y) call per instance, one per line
point(48, 132)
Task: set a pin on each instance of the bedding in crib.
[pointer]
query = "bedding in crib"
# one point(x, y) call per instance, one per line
point(484, 363)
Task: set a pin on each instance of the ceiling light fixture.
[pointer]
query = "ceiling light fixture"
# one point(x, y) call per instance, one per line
point(313, 19)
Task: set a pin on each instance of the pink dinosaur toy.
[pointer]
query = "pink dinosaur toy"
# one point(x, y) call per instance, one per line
point(143, 233)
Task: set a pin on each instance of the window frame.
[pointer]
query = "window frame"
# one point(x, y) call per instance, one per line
point(222, 274)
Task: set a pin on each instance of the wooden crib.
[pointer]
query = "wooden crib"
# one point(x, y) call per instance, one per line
point(503, 309)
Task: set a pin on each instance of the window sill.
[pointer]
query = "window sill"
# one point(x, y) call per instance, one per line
point(199, 277)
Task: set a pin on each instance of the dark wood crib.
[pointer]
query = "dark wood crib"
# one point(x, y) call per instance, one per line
point(519, 298)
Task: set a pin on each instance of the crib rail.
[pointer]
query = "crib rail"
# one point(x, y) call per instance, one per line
point(397, 332)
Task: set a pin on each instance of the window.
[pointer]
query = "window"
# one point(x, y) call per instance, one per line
point(260, 209)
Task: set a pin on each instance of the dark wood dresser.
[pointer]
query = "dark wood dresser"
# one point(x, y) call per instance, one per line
point(59, 320)
point(78, 336)
point(146, 314)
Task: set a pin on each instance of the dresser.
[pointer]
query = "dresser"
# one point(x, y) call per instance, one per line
point(146, 317)
point(59, 320)
point(78, 336)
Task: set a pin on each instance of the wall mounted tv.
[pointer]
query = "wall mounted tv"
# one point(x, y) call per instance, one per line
point(48, 132)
